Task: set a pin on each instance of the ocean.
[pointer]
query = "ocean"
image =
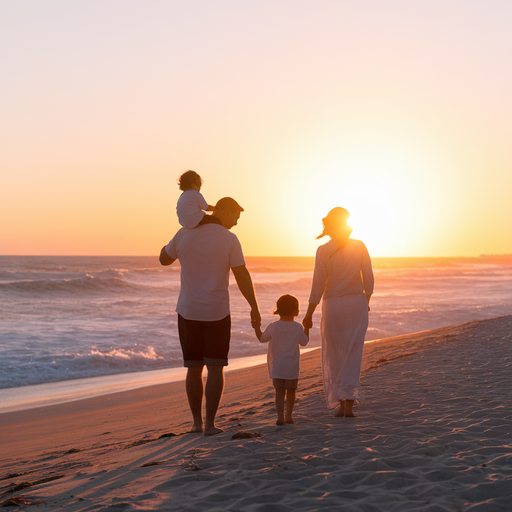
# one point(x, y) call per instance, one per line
point(74, 319)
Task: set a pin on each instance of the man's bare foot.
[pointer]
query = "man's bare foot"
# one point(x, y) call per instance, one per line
point(212, 431)
point(280, 422)
point(289, 420)
point(196, 427)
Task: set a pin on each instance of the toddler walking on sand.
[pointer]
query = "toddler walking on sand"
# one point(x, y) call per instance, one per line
point(191, 202)
point(284, 338)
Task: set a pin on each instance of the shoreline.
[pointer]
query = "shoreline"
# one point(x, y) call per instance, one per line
point(434, 434)
point(55, 393)
point(65, 391)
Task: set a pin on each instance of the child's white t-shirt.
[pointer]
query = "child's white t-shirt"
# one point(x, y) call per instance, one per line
point(283, 356)
point(190, 208)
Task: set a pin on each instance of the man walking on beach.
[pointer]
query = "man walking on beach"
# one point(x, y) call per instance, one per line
point(206, 253)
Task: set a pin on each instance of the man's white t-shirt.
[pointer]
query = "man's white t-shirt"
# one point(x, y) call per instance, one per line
point(190, 208)
point(283, 356)
point(206, 255)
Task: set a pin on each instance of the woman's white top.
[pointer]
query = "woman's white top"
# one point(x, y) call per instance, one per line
point(341, 272)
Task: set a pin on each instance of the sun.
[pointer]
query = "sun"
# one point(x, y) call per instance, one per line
point(387, 188)
point(374, 211)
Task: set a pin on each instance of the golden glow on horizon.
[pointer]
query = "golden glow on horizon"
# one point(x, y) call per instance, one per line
point(109, 104)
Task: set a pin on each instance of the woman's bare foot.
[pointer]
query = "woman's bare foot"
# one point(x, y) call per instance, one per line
point(212, 431)
point(289, 420)
point(341, 412)
point(348, 409)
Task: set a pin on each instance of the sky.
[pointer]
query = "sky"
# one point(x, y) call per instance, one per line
point(399, 111)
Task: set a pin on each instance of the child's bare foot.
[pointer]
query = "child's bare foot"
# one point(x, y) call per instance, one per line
point(280, 422)
point(350, 415)
point(212, 431)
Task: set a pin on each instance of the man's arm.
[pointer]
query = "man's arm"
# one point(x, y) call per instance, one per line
point(244, 282)
point(165, 259)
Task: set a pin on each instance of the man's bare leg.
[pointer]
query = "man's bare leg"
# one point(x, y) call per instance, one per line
point(290, 401)
point(194, 386)
point(213, 394)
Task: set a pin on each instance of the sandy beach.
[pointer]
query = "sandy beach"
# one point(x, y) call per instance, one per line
point(434, 434)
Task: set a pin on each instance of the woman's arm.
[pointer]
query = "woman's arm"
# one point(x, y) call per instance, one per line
point(319, 280)
point(367, 275)
point(317, 290)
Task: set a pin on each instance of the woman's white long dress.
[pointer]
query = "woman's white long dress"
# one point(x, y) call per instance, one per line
point(343, 277)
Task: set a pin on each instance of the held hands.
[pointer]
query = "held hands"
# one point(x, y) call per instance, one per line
point(255, 318)
point(307, 323)
point(256, 322)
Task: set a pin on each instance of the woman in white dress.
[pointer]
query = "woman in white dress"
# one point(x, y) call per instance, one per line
point(343, 276)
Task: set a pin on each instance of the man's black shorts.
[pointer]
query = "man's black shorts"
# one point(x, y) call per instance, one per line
point(204, 342)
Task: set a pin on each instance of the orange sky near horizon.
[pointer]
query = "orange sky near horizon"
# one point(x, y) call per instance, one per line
point(399, 111)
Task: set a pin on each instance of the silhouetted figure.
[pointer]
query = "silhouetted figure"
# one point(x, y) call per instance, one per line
point(191, 202)
point(206, 254)
point(343, 276)
point(283, 359)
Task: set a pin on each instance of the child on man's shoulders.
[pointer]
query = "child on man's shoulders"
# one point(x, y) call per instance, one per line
point(191, 203)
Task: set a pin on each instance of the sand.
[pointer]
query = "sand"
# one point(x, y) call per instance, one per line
point(434, 434)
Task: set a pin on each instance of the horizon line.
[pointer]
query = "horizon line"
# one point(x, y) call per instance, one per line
point(502, 255)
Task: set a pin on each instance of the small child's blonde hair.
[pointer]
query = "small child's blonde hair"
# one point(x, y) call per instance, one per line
point(189, 178)
point(287, 305)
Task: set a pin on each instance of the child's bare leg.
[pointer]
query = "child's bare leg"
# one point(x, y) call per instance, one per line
point(290, 401)
point(280, 392)
point(341, 411)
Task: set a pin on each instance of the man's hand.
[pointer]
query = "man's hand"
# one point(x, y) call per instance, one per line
point(255, 318)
